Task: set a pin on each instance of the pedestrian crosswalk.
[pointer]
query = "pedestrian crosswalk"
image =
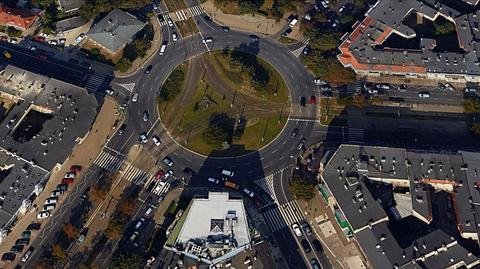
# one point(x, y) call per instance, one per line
point(135, 175)
point(196, 10)
point(283, 215)
point(356, 135)
point(128, 86)
point(108, 162)
point(305, 41)
point(297, 52)
point(181, 15)
point(166, 17)
point(303, 120)
point(96, 82)
point(267, 185)
point(161, 187)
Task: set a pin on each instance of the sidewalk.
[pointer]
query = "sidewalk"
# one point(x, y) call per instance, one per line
point(340, 252)
point(83, 154)
point(249, 23)
point(139, 62)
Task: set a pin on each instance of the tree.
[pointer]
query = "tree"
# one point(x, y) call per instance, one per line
point(219, 130)
point(302, 189)
point(114, 229)
point(337, 74)
point(126, 207)
point(123, 64)
point(471, 105)
point(325, 41)
point(475, 129)
point(12, 32)
point(70, 231)
point(58, 252)
point(173, 85)
point(125, 261)
point(444, 27)
point(215, 136)
point(249, 6)
point(97, 194)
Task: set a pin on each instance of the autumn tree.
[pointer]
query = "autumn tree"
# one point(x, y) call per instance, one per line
point(70, 231)
point(126, 207)
point(58, 252)
point(97, 194)
point(114, 229)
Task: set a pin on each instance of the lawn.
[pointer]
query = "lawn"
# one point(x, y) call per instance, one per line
point(329, 110)
point(174, 5)
point(287, 40)
point(187, 27)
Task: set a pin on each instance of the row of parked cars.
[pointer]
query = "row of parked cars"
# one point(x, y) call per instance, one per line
point(51, 202)
point(297, 229)
point(21, 243)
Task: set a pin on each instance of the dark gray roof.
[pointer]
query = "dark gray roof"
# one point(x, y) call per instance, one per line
point(471, 2)
point(70, 5)
point(115, 29)
point(70, 23)
point(451, 257)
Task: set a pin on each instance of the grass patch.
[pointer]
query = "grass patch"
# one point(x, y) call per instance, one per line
point(174, 5)
point(329, 110)
point(187, 27)
point(287, 40)
point(178, 227)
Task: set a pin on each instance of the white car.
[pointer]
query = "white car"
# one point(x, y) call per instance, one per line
point(13, 41)
point(27, 254)
point(33, 48)
point(109, 91)
point(319, 82)
point(169, 21)
point(372, 91)
point(43, 215)
point(248, 192)
point(69, 175)
point(174, 37)
point(424, 94)
point(156, 140)
point(296, 230)
point(168, 174)
point(139, 223)
point(143, 138)
point(135, 97)
point(470, 90)
point(341, 9)
point(324, 4)
point(167, 161)
point(207, 40)
point(79, 38)
point(44, 35)
point(213, 180)
point(449, 87)
point(52, 42)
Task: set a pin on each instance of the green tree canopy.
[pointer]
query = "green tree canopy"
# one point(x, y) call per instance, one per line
point(302, 189)
point(471, 105)
point(123, 64)
point(173, 85)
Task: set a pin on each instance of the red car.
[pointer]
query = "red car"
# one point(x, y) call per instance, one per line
point(76, 168)
point(67, 181)
point(3, 38)
point(159, 174)
point(313, 100)
point(40, 39)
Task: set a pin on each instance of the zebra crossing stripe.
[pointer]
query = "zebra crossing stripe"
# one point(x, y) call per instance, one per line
point(181, 15)
point(303, 120)
point(284, 215)
point(163, 188)
point(196, 10)
point(108, 162)
point(267, 185)
point(128, 86)
point(305, 40)
point(135, 175)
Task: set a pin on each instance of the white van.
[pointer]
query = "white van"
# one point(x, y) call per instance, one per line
point(227, 173)
point(43, 215)
point(162, 49)
point(49, 207)
point(213, 180)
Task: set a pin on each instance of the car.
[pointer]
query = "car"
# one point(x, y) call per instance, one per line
point(156, 140)
point(148, 69)
point(294, 132)
point(62, 187)
point(168, 174)
point(143, 138)
point(324, 4)
point(56, 193)
point(248, 192)
point(327, 93)
point(287, 32)
point(33, 48)
point(225, 29)
point(207, 40)
point(312, 100)
point(383, 86)
point(188, 171)
point(26, 234)
point(27, 254)
point(135, 97)
point(227, 173)
point(9, 256)
point(303, 101)
point(301, 144)
point(449, 87)
point(13, 41)
point(441, 87)
point(139, 223)
point(254, 37)
point(134, 236)
point(159, 186)
point(402, 88)
point(168, 161)
point(39, 39)
point(154, 6)
point(62, 41)
point(174, 37)
point(149, 210)
point(306, 50)
point(320, 82)
point(34, 226)
point(76, 168)
point(121, 129)
point(159, 174)
point(67, 181)
point(109, 91)
point(86, 65)
point(335, 23)
point(316, 7)
point(22, 241)
point(80, 37)
point(306, 246)
point(52, 42)
point(424, 94)
point(306, 228)
point(145, 115)
point(51, 200)
point(317, 246)
point(296, 229)
point(341, 9)
point(213, 180)
point(314, 263)
point(169, 22)
point(372, 91)
point(160, 18)
point(470, 90)
point(16, 248)
point(207, 18)
point(7, 55)
point(81, 238)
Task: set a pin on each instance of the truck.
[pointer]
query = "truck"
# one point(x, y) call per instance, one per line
point(7, 54)
point(231, 185)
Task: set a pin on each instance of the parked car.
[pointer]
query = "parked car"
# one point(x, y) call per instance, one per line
point(306, 228)
point(109, 91)
point(156, 140)
point(62, 187)
point(470, 90)
point(22, 241)
point(167, 161)
point(34, 226)
point(139, 223)
point(159, 174)
point(424, 94)
point(314, 263)
point(287, 32)
point(319, 82)
point(9, 256)
point(79, 38)
point(135, 97)
point(294, 132)
point(26, 234)
point(306, 246)
point(161, 18)
point(312, 100)
point(16, 249)
point(449, 87)
point(254, 37)
point(168, 174)
point(225, 29)
point(174, 37)
point(296, 229)
point(248, 192)
point(143, 138)
point(67, 181)
point(170, 23)
point(317, 246)
point(27, 254)
point(148, 69)
point(207, 40)
point(213, 180)
point(76, 168)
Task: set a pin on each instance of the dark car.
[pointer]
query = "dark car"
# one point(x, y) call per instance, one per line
point(9, 256)
point(149, 68)
point(306, 228)
point(306, 246)
point(225, 29)
point(34, 226)
point(306, 50)
point(23, 241)
point(287, 32)
point(294, 132)
point(188, 171)
point(121, 129)
point(160, 18)
point(327, 93)
point(254, 37)
point(26, 234)
point(207, 18)
point(303, 101)
point(86, 65)
point(16, 248)
point(317, 246)
point(62, 187)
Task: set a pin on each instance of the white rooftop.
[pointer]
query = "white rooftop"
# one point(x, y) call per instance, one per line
point(208, 217)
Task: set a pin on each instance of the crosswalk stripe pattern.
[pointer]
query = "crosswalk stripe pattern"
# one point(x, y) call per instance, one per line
point(166, 16)
point(356, 135)
point(197, 10)
point(181, 15)
point(128, 86)
point(135, 175)
point(304, 120)
point(267, 185)
point(305, 40)
point(95, 82)
point(161, 187)
point(108, 162)
point(283, 215)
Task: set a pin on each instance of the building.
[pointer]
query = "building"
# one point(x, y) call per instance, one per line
point(20, 19)
point(358, 183)
point(70, 5)
point(42, 120)
point(68, 24)
point(367, 52)
point(115, 30)
point(212, 229)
